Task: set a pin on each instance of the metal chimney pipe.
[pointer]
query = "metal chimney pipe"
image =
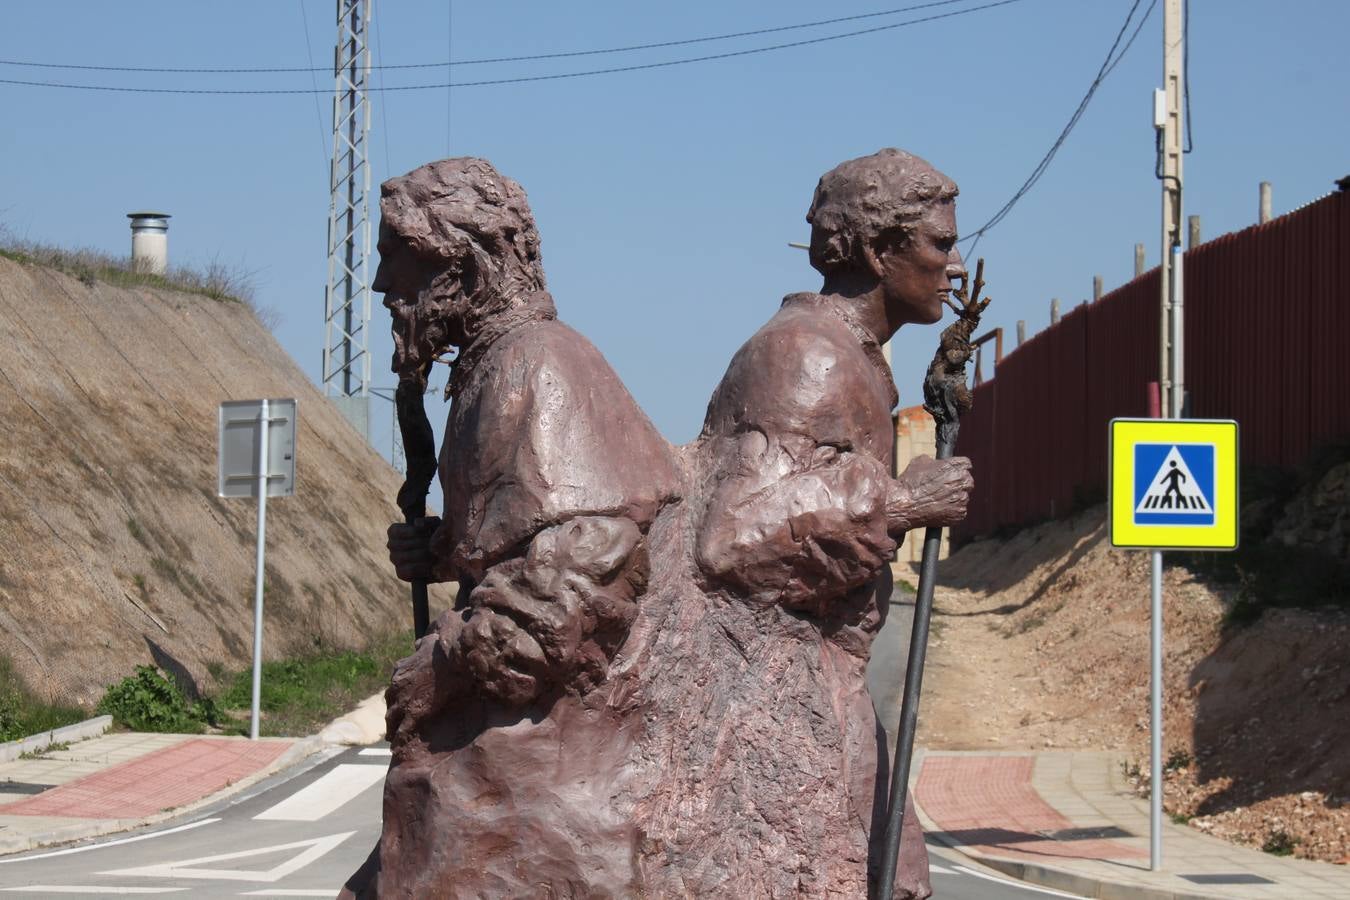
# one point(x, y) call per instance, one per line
point(149, 242)
point(1264, 215)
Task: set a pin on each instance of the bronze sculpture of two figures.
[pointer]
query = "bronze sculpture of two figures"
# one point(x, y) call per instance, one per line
point(652, 681)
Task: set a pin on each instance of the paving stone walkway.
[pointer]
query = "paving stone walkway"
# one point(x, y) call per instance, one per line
point(153, 782)
point(120, 781)
point(1071, 821)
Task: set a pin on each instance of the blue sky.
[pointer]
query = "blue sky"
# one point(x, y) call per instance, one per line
point(666, 198)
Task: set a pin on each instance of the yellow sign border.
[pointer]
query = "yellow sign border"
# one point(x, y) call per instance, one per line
point(1124, 434)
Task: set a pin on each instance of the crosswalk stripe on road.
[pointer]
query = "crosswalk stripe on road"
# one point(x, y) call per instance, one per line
point(321, 797)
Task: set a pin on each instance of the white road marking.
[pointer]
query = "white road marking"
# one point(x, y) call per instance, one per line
point(129, 840)
point(99, 889)
point(941, 870)
point(293, 892)
point(321, 797)
point(191, 868)
point(376, 751)
point(1024, 885)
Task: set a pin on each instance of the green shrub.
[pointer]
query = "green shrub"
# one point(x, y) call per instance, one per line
point(147, 701)
point(22, 714)
point(300, 696)
point(1280, 843)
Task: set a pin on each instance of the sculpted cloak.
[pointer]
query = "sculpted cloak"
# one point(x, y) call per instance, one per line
point(774, 770)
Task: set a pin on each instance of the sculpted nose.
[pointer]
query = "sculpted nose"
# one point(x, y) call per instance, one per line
point(956, 267)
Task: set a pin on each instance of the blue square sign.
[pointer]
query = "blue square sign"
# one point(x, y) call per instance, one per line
point(1174, 484)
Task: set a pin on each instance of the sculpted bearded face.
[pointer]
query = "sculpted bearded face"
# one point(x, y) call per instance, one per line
point(457, 245)
point(421, 297)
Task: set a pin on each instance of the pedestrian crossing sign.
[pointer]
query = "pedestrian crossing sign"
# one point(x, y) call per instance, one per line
point(1173, 484)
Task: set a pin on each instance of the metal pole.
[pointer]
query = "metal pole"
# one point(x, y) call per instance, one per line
point(1178, 335)
point(1193, 227)
point(1054, 310)
point(1263, 214)
point(909, 704)
point(1155, 719)
point(1138, 260)
point(1021, 332)
point(1096, 288)
point(264, 424)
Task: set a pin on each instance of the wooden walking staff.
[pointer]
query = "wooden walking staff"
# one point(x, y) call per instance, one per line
point(946, 396)
point(419, 449)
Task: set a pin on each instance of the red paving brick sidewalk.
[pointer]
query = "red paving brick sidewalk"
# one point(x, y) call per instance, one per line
point(157, 781)
point(988, 804)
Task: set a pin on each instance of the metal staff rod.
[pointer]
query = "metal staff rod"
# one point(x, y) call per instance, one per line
point(946, 396)
point(419, 449)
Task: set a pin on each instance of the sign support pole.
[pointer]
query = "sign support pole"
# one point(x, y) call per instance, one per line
point(1155, 719)
point(264, 424)
point(1174, 486)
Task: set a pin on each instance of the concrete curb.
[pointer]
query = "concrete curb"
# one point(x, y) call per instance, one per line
point(1046, 876)
point(1061, 880)
point(362, 726)
point(90, 828)
point(12, 750)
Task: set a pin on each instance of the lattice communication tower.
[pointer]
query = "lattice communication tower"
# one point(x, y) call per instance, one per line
point(346, 357)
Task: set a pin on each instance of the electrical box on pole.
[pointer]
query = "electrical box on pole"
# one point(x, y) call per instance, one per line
point(346, 357)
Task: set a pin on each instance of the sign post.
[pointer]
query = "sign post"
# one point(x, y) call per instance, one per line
point(1173, 486)
point(257, 459)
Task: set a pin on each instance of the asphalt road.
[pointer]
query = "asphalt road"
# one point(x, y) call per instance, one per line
point(303, 832)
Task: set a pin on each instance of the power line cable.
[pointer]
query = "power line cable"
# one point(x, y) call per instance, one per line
point(565, 54)
point(1186, 69)
point(318, 113)
point(450, 58)
point(527, 78)
point(1130, 43)
point(1107, 65)
point(384, 115)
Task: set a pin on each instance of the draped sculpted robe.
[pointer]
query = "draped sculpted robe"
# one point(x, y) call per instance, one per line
point(774, 766)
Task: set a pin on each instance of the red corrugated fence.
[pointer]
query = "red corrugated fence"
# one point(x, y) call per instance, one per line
point(1267, 336)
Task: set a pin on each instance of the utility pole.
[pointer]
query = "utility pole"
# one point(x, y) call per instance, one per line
point(1168, 110)
point(346, 360)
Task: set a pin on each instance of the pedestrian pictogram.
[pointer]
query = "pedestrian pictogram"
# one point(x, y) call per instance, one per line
point(1177, 493)
point(1173, 484)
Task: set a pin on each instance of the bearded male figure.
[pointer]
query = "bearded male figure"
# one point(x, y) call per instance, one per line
point(552, 476)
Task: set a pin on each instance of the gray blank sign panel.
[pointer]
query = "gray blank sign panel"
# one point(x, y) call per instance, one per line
point(238, 462)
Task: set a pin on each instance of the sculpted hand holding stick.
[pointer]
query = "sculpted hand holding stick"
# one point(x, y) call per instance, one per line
point(419, 449)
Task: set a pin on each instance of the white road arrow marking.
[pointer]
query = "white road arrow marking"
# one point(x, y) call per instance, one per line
point(194, 868)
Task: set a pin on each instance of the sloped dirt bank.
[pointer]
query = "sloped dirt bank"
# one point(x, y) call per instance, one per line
point(1041, 641)
point(117, 550)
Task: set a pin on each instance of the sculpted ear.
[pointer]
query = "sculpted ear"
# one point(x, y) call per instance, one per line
point(872, 259)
